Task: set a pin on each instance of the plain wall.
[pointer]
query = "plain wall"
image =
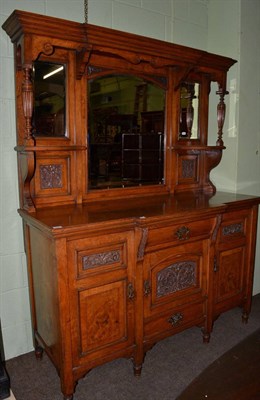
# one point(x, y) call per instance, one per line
point(219, 26)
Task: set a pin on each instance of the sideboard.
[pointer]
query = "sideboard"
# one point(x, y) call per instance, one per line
point(120, 258)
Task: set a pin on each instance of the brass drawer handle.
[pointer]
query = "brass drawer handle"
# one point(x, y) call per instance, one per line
point(183, 233)
point(175, 319)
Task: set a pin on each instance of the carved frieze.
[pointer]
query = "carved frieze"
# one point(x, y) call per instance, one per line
point(51, 176)
point(175, 277)
point(232, 229)
point(95, 260)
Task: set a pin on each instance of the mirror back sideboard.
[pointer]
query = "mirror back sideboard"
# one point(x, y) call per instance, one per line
point(126, 237)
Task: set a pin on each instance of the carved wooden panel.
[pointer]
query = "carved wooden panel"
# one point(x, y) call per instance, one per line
point(106, 258)
point(176, 277)
point(187, 168)
point(98, 259)
point(52, 176)
point(232, 229)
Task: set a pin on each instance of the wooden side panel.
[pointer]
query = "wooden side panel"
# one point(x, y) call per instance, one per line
point(45, 292)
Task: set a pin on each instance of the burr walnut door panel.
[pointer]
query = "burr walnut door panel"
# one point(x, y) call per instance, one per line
point(102, 297)
point(231, 261)
point(175, 285)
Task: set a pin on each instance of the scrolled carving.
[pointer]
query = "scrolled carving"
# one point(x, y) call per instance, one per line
point(212, 159)
point(27, 168)
point(48, 49)
point(141, 248)
point(216, 228)
point(82, 58)
point(176, 277)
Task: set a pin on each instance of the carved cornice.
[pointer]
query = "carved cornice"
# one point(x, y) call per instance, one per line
point(105, 40)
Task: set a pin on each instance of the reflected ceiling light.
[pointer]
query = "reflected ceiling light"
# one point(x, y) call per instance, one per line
point(53, 72)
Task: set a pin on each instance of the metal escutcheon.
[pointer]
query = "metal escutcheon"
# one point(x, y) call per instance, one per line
point(183, 233)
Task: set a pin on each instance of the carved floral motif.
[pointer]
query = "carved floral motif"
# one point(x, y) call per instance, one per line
point(95, 260)
point(232, 229)
point(175, 277)
point(51, 176)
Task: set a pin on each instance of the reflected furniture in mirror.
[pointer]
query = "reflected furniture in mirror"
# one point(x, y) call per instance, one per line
point(126, 115)
point(127, 239)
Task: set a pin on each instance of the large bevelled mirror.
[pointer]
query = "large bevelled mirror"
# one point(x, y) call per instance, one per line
point(49, 99)
point(125, 132)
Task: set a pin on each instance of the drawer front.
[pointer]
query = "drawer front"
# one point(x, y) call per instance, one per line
point(177, 234)
point(174, 321)
point(100, 254)
point(233, 226)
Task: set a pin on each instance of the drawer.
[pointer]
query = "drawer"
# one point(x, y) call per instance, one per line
point(95, 255)
point(175, 320)
point(180, 233)
point(233, 226)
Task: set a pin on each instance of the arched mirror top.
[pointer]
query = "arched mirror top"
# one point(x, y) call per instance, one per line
point(94, 72)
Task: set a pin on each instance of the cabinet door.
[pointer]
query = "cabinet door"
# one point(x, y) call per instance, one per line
point(102, 296)
point(175, 285)
point(231, 261)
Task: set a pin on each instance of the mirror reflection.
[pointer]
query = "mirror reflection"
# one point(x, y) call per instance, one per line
point(49, 99)
point(125, 132)
point(189, 111)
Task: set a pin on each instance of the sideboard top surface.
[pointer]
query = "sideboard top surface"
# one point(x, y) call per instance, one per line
point(137, 211)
